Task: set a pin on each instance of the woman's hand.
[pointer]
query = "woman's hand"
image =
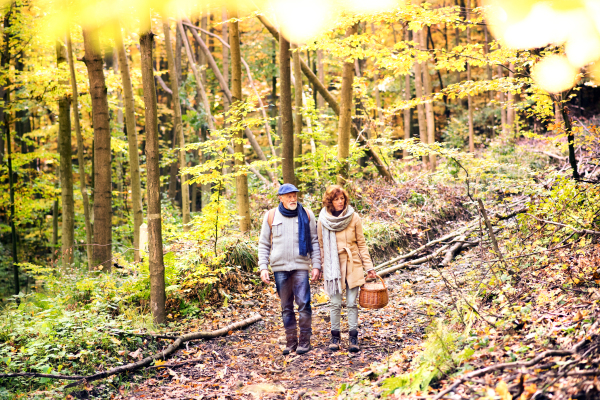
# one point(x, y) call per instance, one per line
point(371, 274)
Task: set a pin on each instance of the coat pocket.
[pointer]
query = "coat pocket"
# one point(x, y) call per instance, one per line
point(277, 229)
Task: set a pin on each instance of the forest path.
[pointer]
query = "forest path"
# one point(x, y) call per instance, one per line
point(248, 364)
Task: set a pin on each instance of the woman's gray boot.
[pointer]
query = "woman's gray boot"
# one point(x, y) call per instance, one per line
point(335, 341)
point(354, 341)
point(303, 344)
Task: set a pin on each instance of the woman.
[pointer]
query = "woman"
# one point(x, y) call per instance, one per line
point(344, 257)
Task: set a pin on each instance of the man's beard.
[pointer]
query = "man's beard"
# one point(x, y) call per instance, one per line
point(292, 206)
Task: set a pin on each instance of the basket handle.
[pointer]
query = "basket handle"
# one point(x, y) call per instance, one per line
point(382, 282)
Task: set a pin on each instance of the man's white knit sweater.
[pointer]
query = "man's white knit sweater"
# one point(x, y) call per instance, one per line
point(284, 253)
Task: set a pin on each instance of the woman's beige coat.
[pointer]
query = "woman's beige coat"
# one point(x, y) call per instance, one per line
point(353, 252)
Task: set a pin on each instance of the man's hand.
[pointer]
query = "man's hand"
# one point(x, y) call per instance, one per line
point(316, 274)
point(371, 274)
point(264, 276)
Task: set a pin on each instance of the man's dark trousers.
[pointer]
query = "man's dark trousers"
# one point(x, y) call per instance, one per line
point(294, 285)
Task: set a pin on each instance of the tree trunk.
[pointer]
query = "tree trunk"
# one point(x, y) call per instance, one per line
point(430, 117)
point(298, 107)
point(407, 97)
point(102, 165)
point(470, 98)
point(486, 51)
point(510, 109)
point(321, 71)
point(80, 158)
point(120, 127)
point(178, 124)
point(419, 93)
point(502, 99)
point(155, 245)
point(213, 65)
point(134, 158)
point(66, 167)
point(225, 36)
point(345, 122)
point(319, 87)
point(571, 141)
point(241, 181)
point(285, 112)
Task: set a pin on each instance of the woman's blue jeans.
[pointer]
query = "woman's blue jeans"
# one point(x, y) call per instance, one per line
point(294, 285)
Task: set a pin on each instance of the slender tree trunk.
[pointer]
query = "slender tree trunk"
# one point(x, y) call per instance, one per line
point(345, 123)
point(571, 139)
point(155, 245)
point(285, 112)
point(419, 93)
point(502, 100)
point(298, 107)
point(178, 123)
point(407, 97)
point(54, 229)
point(510, 109)
point(486, 51)
point(470, 98)
point(66, 167)
point(102, 166)
point(429, 115)
point(321, 72)
point(120, 127)
point(134, 158)
point(80, 158)
point(225, 36)
point(241, 181)
point(11, 189)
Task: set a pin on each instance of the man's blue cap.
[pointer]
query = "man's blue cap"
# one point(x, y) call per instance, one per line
point(287, 188)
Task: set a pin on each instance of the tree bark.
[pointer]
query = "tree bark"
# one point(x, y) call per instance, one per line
point(66, 167)
point(134, 158)
point(178, 125)
point(470, 98)
point(225, 36)
point(571, 141)
point(429, 115)
point(285, 112)
point(155, 245)
point(241, 181)
point(510, 110)
point(502, 99)
point(80, 158)
point(407, 97)
point(102, 155)
point(298, 108)
point(345, 123)
point(321, 72)
point(419, 93)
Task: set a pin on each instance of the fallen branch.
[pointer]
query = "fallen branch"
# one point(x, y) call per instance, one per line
point(499, 367)
point(589, 231)
point(452, 252)
point(148, 360)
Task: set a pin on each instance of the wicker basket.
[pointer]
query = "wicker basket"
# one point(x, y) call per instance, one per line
point(373, 295)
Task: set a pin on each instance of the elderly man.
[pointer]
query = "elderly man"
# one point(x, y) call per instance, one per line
point(289, 243)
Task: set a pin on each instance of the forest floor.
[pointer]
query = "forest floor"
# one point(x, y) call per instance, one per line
point(249, 363)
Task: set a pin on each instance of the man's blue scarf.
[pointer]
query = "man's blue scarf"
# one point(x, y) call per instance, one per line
point(303, 227)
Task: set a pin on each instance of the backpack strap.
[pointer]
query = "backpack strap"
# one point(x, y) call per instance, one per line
point(271, 217)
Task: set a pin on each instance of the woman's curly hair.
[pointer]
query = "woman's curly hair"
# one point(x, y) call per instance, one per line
point(331, 193)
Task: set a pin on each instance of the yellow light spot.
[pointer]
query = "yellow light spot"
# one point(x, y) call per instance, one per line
point(554, 74)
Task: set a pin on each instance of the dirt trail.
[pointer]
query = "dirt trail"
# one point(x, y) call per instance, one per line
point(249, 364)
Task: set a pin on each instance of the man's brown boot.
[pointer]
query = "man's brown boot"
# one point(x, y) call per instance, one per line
point(353, 348)
point(304, 344)
point(291, 343)
point(335, 341)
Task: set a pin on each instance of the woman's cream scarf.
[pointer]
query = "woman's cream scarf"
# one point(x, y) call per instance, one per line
point(331, 267)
